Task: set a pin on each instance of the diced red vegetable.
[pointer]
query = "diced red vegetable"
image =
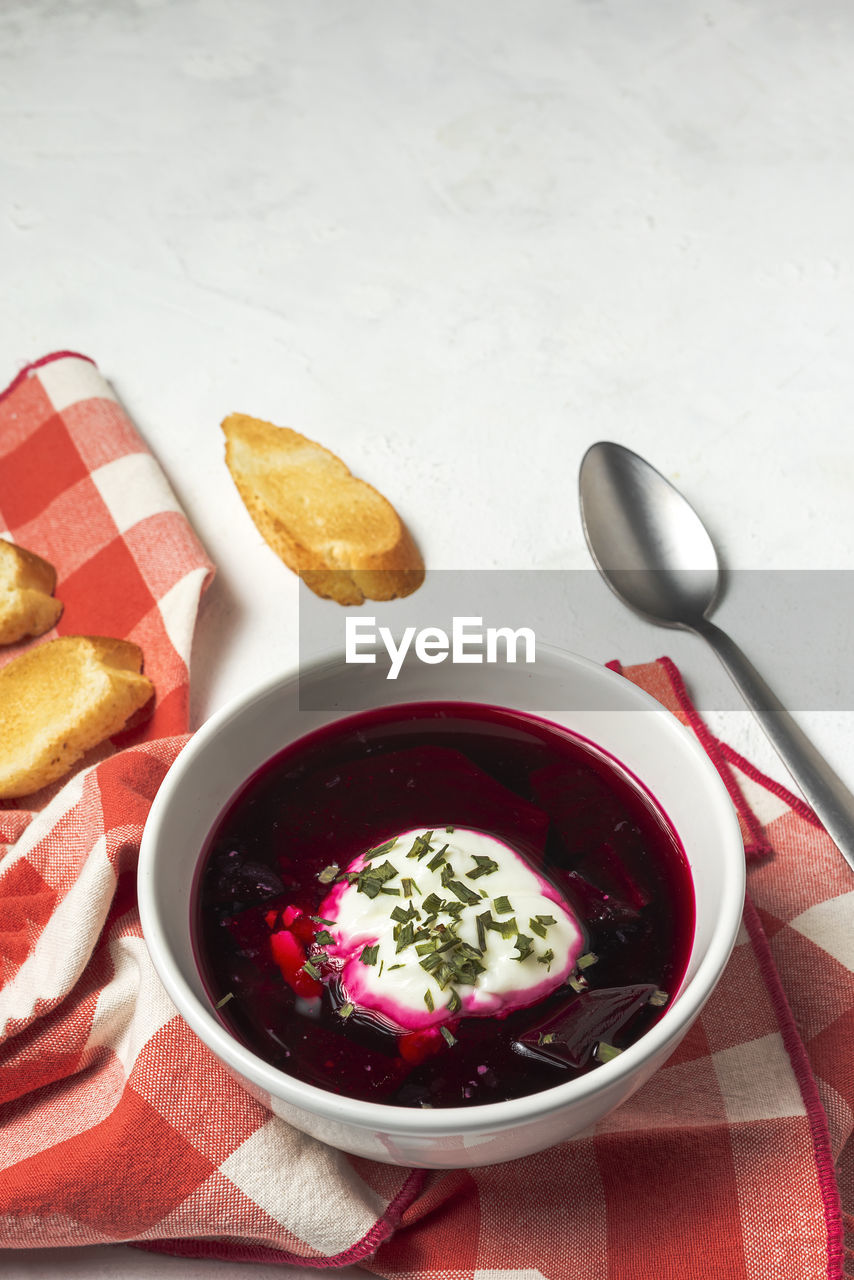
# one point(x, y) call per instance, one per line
point(416, 1046)
point(289, 955)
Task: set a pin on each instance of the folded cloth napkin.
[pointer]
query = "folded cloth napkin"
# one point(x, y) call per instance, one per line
point(116, 1124)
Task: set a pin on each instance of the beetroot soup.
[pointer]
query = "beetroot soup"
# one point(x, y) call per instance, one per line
point(441, 904)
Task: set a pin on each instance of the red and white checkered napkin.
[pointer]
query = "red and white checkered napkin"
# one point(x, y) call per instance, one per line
point(116, 1123)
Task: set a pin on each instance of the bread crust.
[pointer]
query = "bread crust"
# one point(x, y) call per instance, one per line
point(60, 699)
point(27, 604)
point(343, 538)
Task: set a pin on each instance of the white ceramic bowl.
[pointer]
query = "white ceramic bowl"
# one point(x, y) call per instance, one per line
point(568, 690)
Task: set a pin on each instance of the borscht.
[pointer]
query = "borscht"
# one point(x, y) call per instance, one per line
point(441, 904)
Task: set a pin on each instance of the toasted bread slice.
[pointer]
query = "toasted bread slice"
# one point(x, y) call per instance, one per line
point(343, 538)
point(58, 700)
point(27, 606)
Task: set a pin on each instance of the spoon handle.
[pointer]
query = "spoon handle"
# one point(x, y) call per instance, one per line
point(823, 789)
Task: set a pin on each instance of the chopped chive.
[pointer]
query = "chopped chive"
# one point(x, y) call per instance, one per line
point(311, 969)
point(524, 945)
point(424, 948)
point(585, 961)
point(394, 966)
point(463, 892)
point(605, 1052)
point(449, 1036)
point(380, 970)
point(546, 958)
point(448, 873)
point(346, 1009)
point(369, 954)
point(428, 999)
point(432, 904)
point(394, 893)
point(537, 928)
point(437, 859)
point(381, 848)
point(328, 874)
point(483, 921)
point(408, 887)
point(659, 998)
point(578, 982)
point(502, 905)
point(405, 937)
point(507, 928)
point(455, 1003)
point(225, 999)
point(405, 913)
point(546, 1037)
point(320, 920)
point(324, 937)
point(484, 866)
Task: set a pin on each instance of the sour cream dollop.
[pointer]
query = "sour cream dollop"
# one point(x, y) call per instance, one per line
point(472, 930)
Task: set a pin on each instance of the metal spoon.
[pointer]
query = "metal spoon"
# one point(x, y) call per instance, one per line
point(655, 553)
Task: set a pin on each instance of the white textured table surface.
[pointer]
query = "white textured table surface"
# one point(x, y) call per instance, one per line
point(456, 244)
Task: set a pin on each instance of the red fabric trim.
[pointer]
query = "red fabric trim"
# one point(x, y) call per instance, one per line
point(801, 808)
point(223, 1251)
point(37, 364)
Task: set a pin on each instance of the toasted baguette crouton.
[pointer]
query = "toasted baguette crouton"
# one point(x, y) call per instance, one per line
point(27, 606)
point(343, 538)
point(58, 700)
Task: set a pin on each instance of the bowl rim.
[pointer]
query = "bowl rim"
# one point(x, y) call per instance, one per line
point(459, 1120)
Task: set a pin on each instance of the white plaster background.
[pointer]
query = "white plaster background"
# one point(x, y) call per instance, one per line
point(457, 244)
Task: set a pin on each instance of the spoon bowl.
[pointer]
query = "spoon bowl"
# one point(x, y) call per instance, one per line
point(656, 555)
point(646, 540)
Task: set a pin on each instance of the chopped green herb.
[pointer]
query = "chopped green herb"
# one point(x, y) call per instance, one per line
point(484, 866)
point(324, 937)
point(394, 966)
point(585, 961)
point(448, 830)
point(381, 848)
point(346, 1009)
point(224, 1000)
point(578, 982)
point(420, 846)
point(369, 954)
point(406, 936)
point(507, 928)
point(408, 886)
point(437, 859)
point(659, 998)
point(455, 1003)
point(463, 892)
point(483, 922)
point(604, 1052)
point(546, 1037)
point(502, 905)
point(311, 969)
point(546, 958)
point(405, 913)
point(428, 999)
point(432, 904)
point(328, 874)
point(320, 920)
point(541, 923)
point(449, 1036)
point(448, 873)
point(524, 945)
point(394, 893)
